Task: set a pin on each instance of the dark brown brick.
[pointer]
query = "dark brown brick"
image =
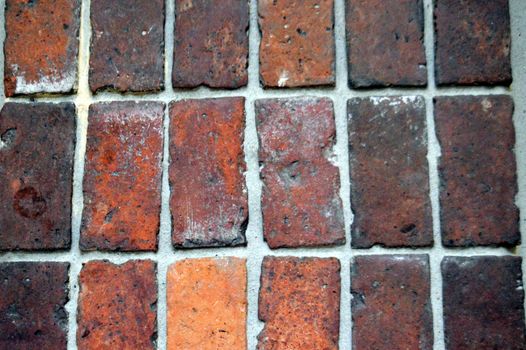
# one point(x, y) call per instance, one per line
point(385, 43)
point(127, 45)
point(299, 301)
point(472, 42)
point(478, 181)
point(208, 194)
point(37, 145)
point(389, 172)
point(117, 305)
point(122, 178)
point(300, 201)
point(483, 303)
point(391, 306)
point(32, 305)
point(211, 43)
point(297, 43)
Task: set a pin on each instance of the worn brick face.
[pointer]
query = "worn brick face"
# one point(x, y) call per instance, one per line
point(208, 195)
point(300, 201)
point(477, 170)
point(207, 304)
point(389, 172)
point(37, 144)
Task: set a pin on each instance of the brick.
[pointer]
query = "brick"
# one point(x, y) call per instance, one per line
point(297, 43)
point(389, 172)
point(37, 145)
point(207, 304)
point(300, 201)
point(211, 43)
point(299, 301)
point(483, 303)
point(472, 42)
point(385, 43)
point(477, 171)
point(117, 305)
point(391, 306)
point(32, 305)
point(208, 194)
point(127, 45)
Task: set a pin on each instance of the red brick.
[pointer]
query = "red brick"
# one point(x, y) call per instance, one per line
point(300, 201)
point(483, 303)
point(299, 301)
point(477, 171)
point(208, 195)
point(41, 46)
point(122, 178)
point(297, 43)
point(211, 43)
point(127, 45)
point(389, 172)
point(36, 169)
point(391, 306)
point(117, 305)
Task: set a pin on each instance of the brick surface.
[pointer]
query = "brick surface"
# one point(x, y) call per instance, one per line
point(389, 172)
point(208, 194)
point(117, 305)
point(483, 303)
point(207, 304)
point(37, 144)
point(385, 43)
point(32, 305)
point(391, 306)
point(299, 301)
point(297, 43)
point(211, 43)
point(300, 201)
point(472, 42)
point(41, 46)
point(477, 170)
point(127, 45)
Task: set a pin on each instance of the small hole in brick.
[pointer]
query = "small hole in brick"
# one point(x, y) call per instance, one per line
point(408, 228)
point(7, 138)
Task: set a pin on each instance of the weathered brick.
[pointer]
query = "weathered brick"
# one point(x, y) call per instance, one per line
point(127, 45)
point(483, 303)
point(299, 301)
point(41, 46)
point(32, 305)
point(477, 170)
point(37, 144)
point(211, 43)
point(385, 43)
point(297, 43)
point(122, 178)
point(472, 42)
point(208, 195)
point(207, 304)
point(117, 305)
point(391, 306)
point(300, 201)
point(389, 172)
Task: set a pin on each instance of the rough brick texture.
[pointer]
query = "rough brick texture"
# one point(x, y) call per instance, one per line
point(127, 45)
point(41, 46)
point(300, 201)
point(389, 172)
point(297, 43)
point(477, 170)
point(207, 304)
point(211, 43)
point(37, 144)
point(117, 305)
point(483, 303)
point(208, 195)
point(391, 306)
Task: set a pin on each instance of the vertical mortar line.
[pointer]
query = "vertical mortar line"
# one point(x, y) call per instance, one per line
point(2, 55)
